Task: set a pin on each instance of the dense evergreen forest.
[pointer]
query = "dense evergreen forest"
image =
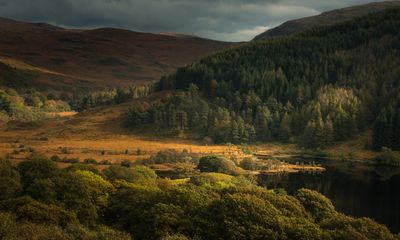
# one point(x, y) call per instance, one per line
point(38, 200)
point(315, 88)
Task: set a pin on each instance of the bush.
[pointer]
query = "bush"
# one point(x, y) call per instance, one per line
point(388, 157)
point(315, 203)
point(173, 156)
point(175, 237)
point(55, 158)
point(90, 161)
point(208, 141)
point(217, 164)
point(35, 168)
point(41, 213)
point(126, 163)
point(134, 174)
point(10, 185)
point(65, 150)
point(7, 224)
point(105, 162)
point(28, 231)
point(249, 163)
point(83, 167)
point(70, 160)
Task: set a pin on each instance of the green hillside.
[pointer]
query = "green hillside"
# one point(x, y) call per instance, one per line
point(316, 88)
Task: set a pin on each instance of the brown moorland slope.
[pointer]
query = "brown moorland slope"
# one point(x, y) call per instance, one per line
point(326, 19)
point(48, 57)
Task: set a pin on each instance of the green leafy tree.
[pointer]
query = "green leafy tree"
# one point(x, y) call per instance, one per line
point(10, 185)
point(38, 167)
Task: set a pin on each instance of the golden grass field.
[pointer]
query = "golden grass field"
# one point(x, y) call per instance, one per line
point(96, 134)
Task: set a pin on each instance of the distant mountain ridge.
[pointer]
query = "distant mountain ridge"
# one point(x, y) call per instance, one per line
point(325, 19)
point(89, 59)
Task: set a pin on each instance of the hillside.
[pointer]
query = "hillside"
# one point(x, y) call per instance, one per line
point(325, 19)
point(318, 88)
point(48, 57)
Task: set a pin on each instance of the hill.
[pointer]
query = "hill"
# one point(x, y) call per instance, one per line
point(325, 19)
point(49, 57)
point(316, 89)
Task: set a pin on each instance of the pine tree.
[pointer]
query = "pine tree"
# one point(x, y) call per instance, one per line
point(396, 131)
point(262, 123)
point(308, 138)
point(319, 134)
point(251, 133)
point(284, 130)
point(235, 135)
point(183, 120)
point(328, 133)
point(380, 130)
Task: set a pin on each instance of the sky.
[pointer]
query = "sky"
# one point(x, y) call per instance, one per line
point(226, 20)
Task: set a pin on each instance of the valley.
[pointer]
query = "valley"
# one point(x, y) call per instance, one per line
point(115, 134)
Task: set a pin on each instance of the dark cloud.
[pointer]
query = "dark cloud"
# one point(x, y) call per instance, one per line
point(230, 20)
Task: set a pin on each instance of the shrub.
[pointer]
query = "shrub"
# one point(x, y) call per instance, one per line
point(65, 150)
point(70, 160)
point(175, 237)
point(173, 156)
point(10, 185)
point(35, 168)
point(315, 203)
point(388, 157)
point(42, 189)
point(138, 151)
point(134, 174)
point(126, 163)
point(83, 167)
point(217, 164)
point(105, 162)
point(41, 213)
point(208, 141)
point(90, 161)
point(249, 163)
point(27, 230)
point(7, 224)
point(55, 158)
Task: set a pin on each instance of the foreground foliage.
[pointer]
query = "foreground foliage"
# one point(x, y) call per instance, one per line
point(41, 201)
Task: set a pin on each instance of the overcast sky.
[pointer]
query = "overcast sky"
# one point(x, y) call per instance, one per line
point(228, 20)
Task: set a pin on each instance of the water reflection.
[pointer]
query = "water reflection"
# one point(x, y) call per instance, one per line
point(354, 189)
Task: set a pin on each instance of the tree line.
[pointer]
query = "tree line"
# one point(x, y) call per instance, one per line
point(30, 105)
point(110, 96)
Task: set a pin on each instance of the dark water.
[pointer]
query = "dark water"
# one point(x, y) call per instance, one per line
point(356, 190)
